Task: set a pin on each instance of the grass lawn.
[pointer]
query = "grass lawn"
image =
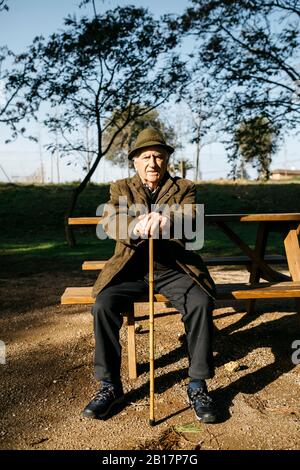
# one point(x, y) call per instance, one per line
point(32, 228)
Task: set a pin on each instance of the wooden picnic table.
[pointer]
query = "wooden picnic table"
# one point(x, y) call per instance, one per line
point(288, 224)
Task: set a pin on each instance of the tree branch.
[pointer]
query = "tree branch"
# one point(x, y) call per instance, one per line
point(289, 70)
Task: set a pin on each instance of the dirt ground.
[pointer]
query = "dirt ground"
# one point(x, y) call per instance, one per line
point(48, 375)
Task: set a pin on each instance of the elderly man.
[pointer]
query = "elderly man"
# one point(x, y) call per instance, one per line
point(179, 274)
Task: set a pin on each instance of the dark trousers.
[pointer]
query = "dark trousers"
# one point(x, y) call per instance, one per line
point(187, 297)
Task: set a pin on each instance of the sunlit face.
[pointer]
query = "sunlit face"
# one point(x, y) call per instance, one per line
point(151, 164)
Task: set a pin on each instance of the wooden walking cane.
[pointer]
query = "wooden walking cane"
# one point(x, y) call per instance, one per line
point(151, 331)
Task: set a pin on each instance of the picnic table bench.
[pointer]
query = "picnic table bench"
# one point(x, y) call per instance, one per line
point(83, 296)
point(256, 260)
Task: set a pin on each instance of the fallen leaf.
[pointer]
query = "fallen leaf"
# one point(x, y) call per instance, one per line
point(189, 427)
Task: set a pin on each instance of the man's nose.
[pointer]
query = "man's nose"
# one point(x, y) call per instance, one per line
point(152, 161)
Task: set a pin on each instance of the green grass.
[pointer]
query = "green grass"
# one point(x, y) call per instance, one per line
point(32, 229)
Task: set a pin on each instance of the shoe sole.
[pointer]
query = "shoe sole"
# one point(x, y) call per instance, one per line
point(103, 415)
point(207, 419)
point(204, 419)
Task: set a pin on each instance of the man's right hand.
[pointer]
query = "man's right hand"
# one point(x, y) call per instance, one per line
point(151, 225)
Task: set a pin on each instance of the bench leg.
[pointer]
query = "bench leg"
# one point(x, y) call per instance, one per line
point(131, 346)
point(292, 249)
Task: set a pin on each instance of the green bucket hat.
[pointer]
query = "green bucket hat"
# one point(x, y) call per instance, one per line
point(149, 137)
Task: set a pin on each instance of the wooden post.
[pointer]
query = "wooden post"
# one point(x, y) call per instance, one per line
point(131, 345)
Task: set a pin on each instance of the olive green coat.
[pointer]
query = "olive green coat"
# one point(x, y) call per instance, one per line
point(174, 191)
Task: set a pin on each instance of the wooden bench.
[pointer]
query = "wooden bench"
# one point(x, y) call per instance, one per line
point(284, 290)
point(211, 261)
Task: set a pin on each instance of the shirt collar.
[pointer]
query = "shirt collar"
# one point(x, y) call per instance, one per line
point(152, 191)
point(160, 184)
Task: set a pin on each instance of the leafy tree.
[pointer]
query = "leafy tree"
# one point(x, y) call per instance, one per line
point(118, 153)
point(250, 51)
point(256, 142)
point(120, 60)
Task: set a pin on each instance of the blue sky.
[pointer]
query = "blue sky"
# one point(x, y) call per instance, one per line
point(29, 18)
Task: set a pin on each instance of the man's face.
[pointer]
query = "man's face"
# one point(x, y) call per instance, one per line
point(151, 165)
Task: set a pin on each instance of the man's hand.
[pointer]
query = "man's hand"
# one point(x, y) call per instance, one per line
point(152, 225)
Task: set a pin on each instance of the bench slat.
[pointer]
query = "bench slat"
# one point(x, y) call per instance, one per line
point(83, 295)
point(264, 290)
point(91, 265)
point(215, 261)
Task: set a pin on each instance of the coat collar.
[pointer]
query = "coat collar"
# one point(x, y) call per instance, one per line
point(168, 188)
